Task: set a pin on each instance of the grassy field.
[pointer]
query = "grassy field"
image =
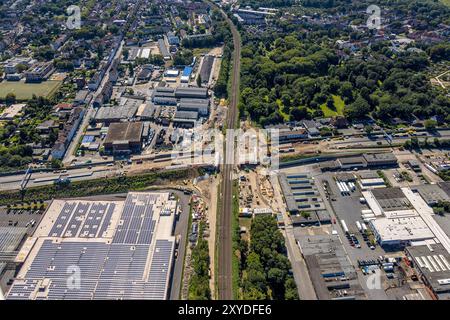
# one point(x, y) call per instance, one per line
point(280, 109)
point(338, 103)
point(24, 91)
point(197, 52)
point(446, 2)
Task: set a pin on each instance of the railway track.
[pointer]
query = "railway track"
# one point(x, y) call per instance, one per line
point(225, 284)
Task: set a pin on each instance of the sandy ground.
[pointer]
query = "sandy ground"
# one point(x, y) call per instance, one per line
point(217, 63)
point(209, 190)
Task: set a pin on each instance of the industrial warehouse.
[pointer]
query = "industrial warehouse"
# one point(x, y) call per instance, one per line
point(191, 103)
point(361, 210)
point(125, 137)
point(120, 249)
point(401, 217)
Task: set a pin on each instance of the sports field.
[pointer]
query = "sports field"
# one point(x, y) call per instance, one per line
point(24, 91)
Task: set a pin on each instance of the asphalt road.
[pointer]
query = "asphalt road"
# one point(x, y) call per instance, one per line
point(180, 229)
point(13, 182)
point(90, 111)
point(225, 285)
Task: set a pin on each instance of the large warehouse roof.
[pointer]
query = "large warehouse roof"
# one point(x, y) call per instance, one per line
point(124, 131)
point(205, 71)
point(121, 250)
point(116, 113)
point(191, 92)
point(401, 229)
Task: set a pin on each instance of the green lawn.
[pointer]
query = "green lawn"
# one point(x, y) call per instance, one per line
point(25, 91)
point(280, 109)
point(199, 51)
point(338, 103)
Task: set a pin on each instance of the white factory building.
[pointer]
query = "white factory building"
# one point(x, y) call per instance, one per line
point(410, 224)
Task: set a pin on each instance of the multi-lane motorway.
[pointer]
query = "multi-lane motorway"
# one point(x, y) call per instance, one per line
point(41, 178)
point(225, 289)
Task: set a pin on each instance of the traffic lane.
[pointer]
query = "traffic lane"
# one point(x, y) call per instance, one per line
point(181, 229)
point(42, 178)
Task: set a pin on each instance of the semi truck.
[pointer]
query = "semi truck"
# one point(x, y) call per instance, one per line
point(344, 226)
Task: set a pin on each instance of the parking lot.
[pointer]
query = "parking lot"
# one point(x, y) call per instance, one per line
point(348, 208)
point(20, 218)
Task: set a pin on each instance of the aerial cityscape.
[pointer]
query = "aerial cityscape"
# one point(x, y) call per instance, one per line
point(224, 150)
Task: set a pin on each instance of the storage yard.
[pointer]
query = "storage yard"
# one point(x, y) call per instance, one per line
point(379, 229)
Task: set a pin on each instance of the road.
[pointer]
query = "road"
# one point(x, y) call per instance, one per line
point(41, 178)
point(68, 157)
point(90, 111)
point(181, 229)
point(225, 284)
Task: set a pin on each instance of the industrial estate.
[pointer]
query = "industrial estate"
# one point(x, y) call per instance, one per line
point(224, 150)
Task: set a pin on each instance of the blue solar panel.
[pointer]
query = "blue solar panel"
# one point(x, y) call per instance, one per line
point(114, 270)
point(88, 139)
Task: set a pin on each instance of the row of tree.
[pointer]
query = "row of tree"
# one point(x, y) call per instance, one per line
point(199, 282)
point(265, 268)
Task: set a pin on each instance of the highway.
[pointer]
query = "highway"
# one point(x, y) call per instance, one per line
point(37, 179)
point(225, 284)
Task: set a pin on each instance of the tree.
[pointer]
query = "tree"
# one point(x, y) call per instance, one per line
point(267, 266)
point(298, 113)
point(291, 290)
point(286, 100)
point(330, 103)
point(183, 58)
point(368, 129)
point(56, 164)
point(430, 124)
point(10, 98)
point(437, 142)
point(126, 53)
point(21, 67)
point(358, 109)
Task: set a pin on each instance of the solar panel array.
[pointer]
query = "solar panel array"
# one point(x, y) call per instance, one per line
point(82, 219)
point(128, 268)
point(137, 222)
point(2, 266)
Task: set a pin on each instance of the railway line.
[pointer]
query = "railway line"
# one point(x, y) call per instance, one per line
point(225, 284)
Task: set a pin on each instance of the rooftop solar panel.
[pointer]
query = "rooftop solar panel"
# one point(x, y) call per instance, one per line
point(115, 270)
